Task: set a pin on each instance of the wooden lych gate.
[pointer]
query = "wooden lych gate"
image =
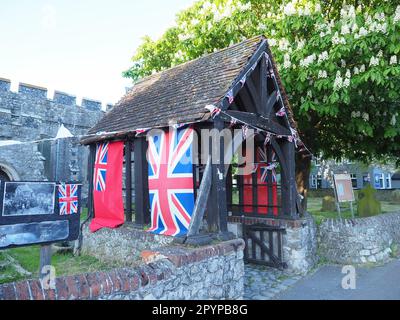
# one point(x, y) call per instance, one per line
point(241, 88)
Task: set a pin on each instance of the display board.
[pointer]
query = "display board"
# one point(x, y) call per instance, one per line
point(343, 188)
point(38, 213)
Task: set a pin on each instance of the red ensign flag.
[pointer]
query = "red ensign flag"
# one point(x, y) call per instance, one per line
point(107, 188)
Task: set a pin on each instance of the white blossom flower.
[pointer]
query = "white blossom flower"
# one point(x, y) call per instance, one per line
point(300, 44)
point(322, 74)
point(354, 27)
point(362, 68)
point(365, 116)
point(307, 10)
point(338, 81)
point(393, 60)
point(380, 16)
point(362, 32)
point(345, 29)
point(272, 42)
point(348, 73)
point(347, 12)
point(183, 37)
point(374, 61)
point(381, 27)
point(380, 54)
point(244, 6)
point(284, 44)
point(323, 56)
point(356, 70)
point(396, 18)
point(317, 7)
point(343, 63)
point(262, 26)
point(287, 63)
point(307, 60)
point(338, 40)
point(289, 9)
point(346, 83)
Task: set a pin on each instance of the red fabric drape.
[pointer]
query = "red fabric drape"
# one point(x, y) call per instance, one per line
point(107, 188)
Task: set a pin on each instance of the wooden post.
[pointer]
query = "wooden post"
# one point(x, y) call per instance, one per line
point(128, 181)
point(288, 187)
point(45, 260)
point(142, 211)
point(217, 207)
point(201, 201)
point(270, 209)
point(91, 161)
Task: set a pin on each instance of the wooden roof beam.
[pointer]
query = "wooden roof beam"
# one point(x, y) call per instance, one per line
point(255, 120)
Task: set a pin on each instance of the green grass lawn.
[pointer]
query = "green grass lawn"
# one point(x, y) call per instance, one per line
point(65, 264)
point(314, 206)
point(28, 258)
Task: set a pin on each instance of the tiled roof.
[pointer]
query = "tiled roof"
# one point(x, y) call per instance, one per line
point(180, 94)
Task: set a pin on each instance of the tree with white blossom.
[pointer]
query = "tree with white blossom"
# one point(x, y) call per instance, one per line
point(338, 62)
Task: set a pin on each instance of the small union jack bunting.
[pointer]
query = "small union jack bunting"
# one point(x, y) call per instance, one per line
point(281, 112)
point(245, 130)
point(230, 96)
point(243, 80)
point(213, 110)
point(232, 123)
point(267, 139)
point(178, 125)
point(140, 131)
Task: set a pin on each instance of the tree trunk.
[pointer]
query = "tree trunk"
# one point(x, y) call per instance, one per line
point(303, 168)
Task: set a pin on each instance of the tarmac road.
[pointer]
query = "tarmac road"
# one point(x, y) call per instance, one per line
point(372, 283)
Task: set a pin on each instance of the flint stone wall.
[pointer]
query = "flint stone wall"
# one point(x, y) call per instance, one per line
point(360, 240)
point(122, 245)
point(173, 273)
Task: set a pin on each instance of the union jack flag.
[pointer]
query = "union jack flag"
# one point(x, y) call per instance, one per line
point(171, 181)
point(68, 199)
point(100, 167)
point(265, 166)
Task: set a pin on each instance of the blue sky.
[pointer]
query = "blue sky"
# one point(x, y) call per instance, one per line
point(78, 46)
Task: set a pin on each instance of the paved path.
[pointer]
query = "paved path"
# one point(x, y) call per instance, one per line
point(380, 283)
point(263, 283)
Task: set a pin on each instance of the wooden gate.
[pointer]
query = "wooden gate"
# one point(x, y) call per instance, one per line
point(264, 245)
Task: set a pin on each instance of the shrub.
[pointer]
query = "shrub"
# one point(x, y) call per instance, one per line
point(368, 205)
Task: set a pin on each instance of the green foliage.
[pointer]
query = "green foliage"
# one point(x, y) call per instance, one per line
point(328, 204)
point(368, 205)
point(339, 64)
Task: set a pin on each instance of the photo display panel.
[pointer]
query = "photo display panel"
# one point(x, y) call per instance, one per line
point(38, 213)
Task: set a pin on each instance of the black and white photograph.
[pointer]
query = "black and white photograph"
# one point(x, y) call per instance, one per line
point(28, 198)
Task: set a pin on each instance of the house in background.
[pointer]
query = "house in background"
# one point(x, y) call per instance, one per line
point(381, 177)
point(396, 180)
